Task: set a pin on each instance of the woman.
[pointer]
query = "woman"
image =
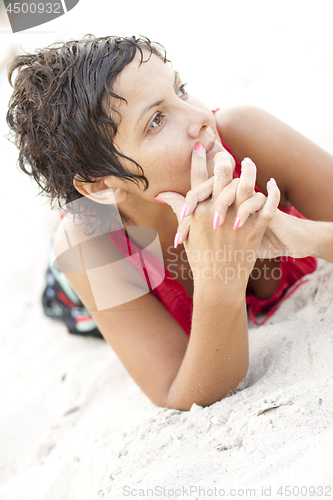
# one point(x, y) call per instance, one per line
point(106, 125)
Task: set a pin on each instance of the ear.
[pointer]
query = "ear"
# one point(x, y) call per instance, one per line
point(106, 191)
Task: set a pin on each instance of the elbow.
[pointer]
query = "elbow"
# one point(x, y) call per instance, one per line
point(184, 402)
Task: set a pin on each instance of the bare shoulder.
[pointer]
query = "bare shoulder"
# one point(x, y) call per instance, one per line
point(228, 117)
point(238, 122)
point(250, 132)
point(147, 339)
point(96, 268)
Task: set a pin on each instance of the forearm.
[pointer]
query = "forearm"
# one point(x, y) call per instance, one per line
point(293, 237)
point(216, 359)
point(320, 240)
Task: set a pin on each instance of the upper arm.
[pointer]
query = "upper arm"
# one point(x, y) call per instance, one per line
point(303, 171)
point(147, 339)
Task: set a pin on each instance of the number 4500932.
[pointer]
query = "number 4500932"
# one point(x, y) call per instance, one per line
point(33, 8)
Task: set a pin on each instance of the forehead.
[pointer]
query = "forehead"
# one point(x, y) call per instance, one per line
point(140, 82)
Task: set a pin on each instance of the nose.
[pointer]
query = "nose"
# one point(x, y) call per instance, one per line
point(199, 120)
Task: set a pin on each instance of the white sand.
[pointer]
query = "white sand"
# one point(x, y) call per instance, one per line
point(74, 426)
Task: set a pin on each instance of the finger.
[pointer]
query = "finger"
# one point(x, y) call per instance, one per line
point(249, 207)
point(273, 199)
point(223, 171)
point(196, 195)
point(224, 201)
point(199, 172)
point(174, 200)
point(247, 181)
point(183, 230)
point(269, 207)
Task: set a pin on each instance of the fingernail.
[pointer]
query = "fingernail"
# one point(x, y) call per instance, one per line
point(273, 182)
point(216, 220)
point(198, 147)
point(160, 200)
point(236, 223)
point(182, 213)
point(247, 161)
point(175, 244)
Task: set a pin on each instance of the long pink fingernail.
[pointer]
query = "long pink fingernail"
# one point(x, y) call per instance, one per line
point(216, 220)
point(160, 200)
point(182, 213)
point(236, 223)
point(273, 182)
point(175, 244)
point(198, 147)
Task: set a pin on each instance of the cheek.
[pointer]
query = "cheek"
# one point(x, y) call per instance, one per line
point(169, 170)
point(171, 154)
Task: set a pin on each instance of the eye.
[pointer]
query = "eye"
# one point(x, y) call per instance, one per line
point(182, 91)
point(157, 122)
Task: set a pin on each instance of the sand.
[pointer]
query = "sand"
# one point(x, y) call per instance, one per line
point(74, 426)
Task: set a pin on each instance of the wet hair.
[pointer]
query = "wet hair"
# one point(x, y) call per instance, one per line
point(62, 118)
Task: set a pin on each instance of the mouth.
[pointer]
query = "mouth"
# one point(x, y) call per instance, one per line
point(212, 149)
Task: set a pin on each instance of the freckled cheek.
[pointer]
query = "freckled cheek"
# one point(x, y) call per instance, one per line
point(178, 164)
point(172, 157)
point(170, 172)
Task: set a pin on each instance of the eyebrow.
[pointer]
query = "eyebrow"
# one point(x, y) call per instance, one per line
point(157, 103)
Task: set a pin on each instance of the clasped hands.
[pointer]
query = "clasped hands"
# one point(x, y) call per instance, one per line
point(236, 199)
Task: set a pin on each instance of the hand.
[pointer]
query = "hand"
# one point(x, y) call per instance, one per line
point(201, 190)
point(290, 236)
point(234, 204)
point(204, 189)
point(277, 239)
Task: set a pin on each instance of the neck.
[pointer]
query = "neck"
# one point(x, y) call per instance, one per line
point(155, 215)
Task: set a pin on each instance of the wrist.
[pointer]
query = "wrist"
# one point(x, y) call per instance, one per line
point(322, 234)
point(229, 288)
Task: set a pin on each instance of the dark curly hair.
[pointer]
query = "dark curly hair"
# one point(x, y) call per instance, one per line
point(62, 119)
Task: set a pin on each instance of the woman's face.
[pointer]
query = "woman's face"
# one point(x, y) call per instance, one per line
point(160, 125)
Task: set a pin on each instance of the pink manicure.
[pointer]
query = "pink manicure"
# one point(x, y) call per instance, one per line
point(236, 223)
point(216, 220)
point(177, 237)
point(182, 213)
point(273, 182)
point(198, 147)
point(160, 200)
